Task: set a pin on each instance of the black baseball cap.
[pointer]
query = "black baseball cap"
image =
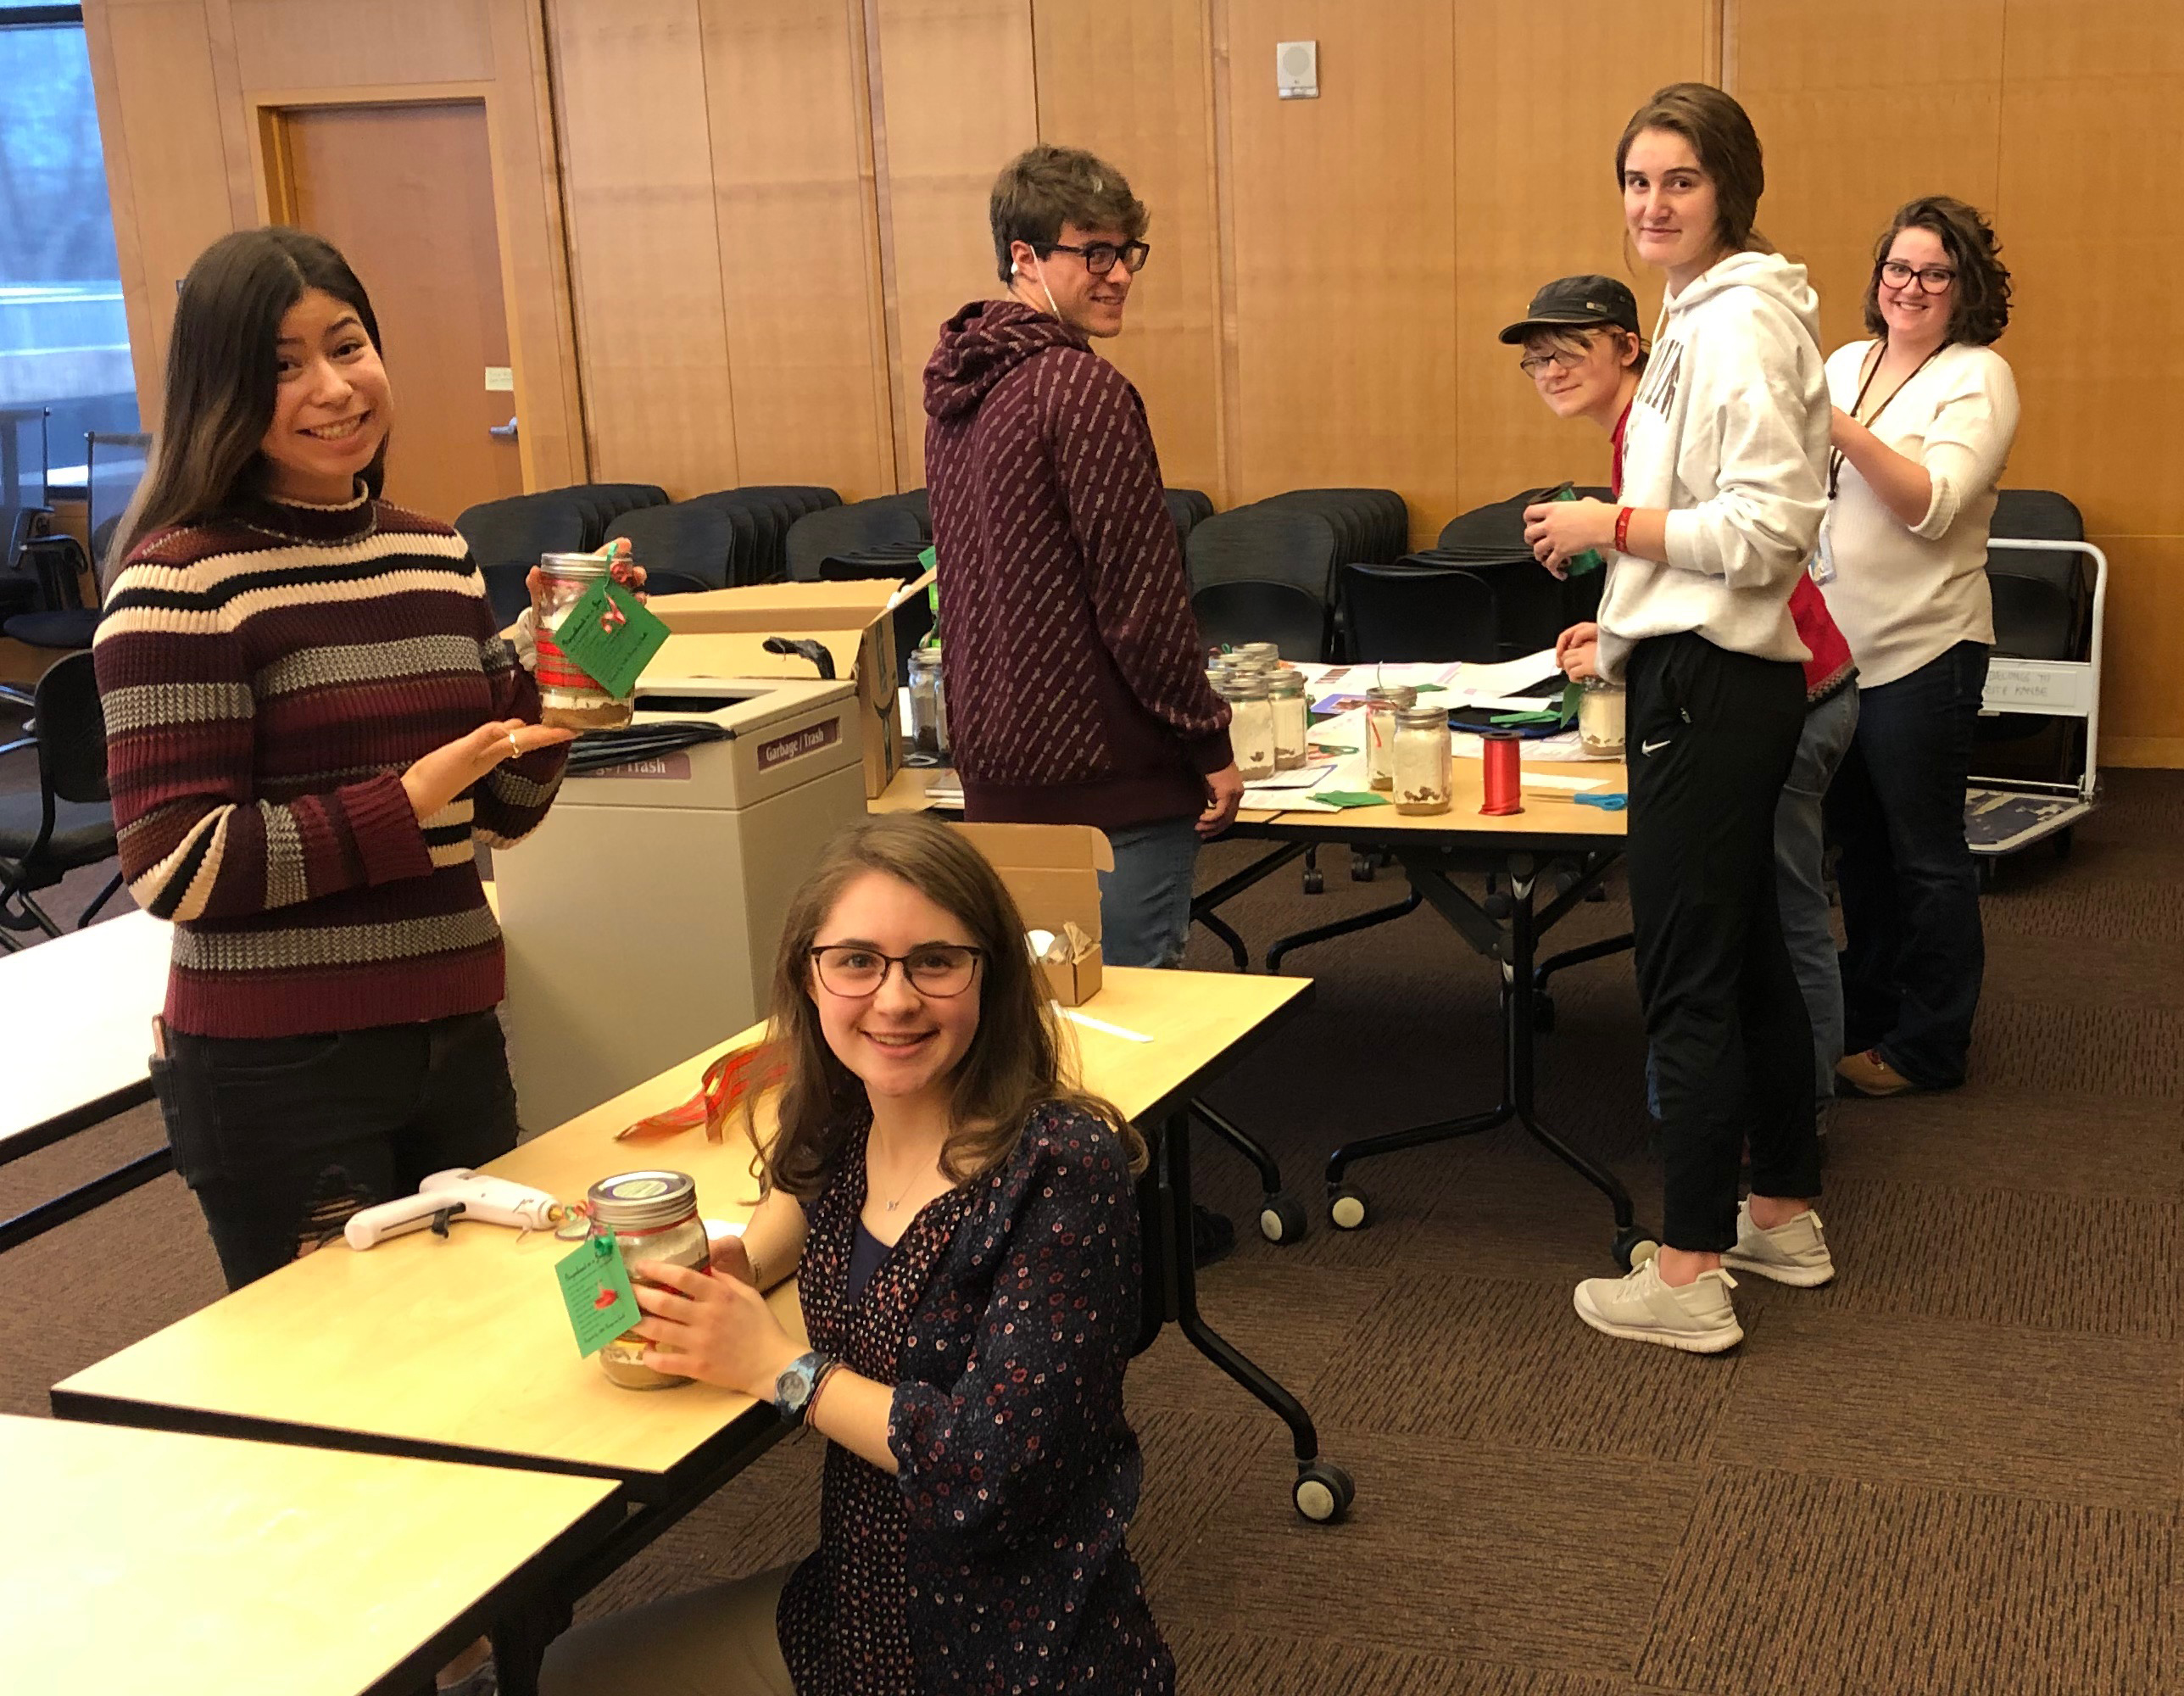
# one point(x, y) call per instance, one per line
point(1570, 301)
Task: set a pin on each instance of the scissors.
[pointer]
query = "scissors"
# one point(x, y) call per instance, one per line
point(1606, 803)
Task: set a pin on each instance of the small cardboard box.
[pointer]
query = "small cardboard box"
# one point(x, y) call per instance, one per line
point(1053, 870)
point(722, 633)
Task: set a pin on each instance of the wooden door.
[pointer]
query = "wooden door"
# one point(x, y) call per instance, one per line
point(405, 191)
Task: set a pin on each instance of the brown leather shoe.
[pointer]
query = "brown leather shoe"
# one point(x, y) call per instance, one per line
point(1868, 1074)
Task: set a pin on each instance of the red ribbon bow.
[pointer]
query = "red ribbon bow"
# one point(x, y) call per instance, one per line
point(729, 1080)
point(612, 619)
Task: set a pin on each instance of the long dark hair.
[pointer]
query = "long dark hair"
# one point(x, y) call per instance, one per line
point(223, 370)
point(1979, 310)
point(1014, 1063)
point(1728, 147)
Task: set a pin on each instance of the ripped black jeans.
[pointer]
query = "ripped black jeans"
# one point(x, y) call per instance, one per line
point(282, 1138)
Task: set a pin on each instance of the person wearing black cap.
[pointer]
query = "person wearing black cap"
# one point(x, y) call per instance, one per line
point(1583, 353)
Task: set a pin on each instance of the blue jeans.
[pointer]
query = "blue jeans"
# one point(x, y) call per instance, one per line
point(1144, 902)
point(1800, 885)
point(1914, 955)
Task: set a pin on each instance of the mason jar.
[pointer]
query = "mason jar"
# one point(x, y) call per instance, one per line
point(1285, 693)
point(1600, 716)
point(1381, 705)
point(568, 697)
point(1251, 727)
point(651, 1216)
point(1424, 767)
point(1267, 654)
point(928, 716)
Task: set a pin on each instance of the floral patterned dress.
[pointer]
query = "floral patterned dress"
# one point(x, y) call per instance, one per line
point(995, 1560)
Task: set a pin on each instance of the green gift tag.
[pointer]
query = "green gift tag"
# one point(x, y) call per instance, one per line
point(611, 636)
point(1590, 560)
point(1346, 798)
point(1573, 697)
point(595, 1285)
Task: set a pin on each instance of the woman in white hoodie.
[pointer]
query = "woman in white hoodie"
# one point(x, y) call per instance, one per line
point(1723, 484)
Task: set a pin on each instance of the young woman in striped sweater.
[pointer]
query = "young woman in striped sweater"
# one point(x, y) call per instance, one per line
point(310, 719)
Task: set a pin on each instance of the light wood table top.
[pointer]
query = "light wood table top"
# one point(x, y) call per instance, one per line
point(153, 1561)
point(461, 1347)
point(78, 1026)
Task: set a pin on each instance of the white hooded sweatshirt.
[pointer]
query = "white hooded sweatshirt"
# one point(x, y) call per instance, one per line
point(1729, 432)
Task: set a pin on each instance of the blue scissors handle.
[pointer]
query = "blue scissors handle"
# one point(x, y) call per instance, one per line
point(1606, 803)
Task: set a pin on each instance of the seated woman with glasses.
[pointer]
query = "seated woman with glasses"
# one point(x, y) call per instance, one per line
point(962, 1225)
point(1924, 414)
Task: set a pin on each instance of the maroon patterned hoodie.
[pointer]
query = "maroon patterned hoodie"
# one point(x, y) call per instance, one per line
point(1077, 692)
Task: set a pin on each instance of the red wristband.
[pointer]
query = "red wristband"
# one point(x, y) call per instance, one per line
point(1622, 530)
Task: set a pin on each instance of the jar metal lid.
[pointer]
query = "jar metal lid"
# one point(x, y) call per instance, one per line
point(580, 567)
point(1241, 686)
point(1285, 684)
point(1600, 685)
point(1266, 651)
point(640, 1200)
point(1421, 717)
point(1398, 695)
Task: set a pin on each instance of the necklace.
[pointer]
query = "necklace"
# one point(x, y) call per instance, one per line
point(899, 1194)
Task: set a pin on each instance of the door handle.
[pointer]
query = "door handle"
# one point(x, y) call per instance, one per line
point(505, 432)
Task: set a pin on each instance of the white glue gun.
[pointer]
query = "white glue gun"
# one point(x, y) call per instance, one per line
point(446, 1197)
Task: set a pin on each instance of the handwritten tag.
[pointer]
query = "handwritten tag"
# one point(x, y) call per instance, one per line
point(595, 1286)
point(611, 636)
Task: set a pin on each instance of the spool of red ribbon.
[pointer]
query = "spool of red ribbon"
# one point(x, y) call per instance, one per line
point(1505, 781)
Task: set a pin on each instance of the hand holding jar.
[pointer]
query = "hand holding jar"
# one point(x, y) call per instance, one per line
point(621, 567)
point(715, 1327)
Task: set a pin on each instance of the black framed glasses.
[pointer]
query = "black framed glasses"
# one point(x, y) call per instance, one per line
point(1932, 280)
point(1100, 257)
point(1562, 359)
point(850, 969)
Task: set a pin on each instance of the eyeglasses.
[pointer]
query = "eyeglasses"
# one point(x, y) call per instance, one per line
point(1100, 257)
point(1933, 280)
point(1562, 359)
point(850, 969)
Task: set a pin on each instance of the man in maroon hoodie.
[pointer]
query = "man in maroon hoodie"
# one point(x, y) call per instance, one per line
point(1077, 692)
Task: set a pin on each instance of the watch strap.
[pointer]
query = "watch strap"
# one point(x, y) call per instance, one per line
point(794, 1388)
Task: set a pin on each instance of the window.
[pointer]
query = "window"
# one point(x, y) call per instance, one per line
point(63, 335)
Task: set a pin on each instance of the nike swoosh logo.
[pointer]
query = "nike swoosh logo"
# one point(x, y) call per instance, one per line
point(1649, 748)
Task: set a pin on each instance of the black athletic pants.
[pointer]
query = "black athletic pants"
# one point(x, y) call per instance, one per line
point(1710, 737)
point(282, 1138)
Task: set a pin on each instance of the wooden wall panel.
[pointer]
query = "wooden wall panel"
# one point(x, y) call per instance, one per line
point(166, 164)
point(1851, 133)
point(792, 178)
point(1535, 199)
point(1132, 81)
point(1345, 251)
point(645, 259)
point(2141, 723)
point(956, 103)
point(307, 44)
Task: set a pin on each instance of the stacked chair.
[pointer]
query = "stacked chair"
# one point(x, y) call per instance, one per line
point(1266, 571)
point(1478, 594)
point(728, 540)
point(2043, 610)
point(1188, 508)
point(506, 536)
point(879, 537)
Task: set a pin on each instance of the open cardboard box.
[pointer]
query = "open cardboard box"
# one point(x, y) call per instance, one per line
point(1053, 870)
point(722, 633)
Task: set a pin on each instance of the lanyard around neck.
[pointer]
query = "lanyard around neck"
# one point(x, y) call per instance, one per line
point(1881, 353)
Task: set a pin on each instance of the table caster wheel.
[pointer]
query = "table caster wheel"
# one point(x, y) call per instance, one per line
point(1635, 1246)
point(1347, 1209)
point(1314, 881)
point(1543, 1012)
point(1281, 1218)
point(1361, 868)
point(1322, 1493)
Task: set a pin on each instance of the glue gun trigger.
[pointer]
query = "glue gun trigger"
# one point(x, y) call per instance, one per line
point(440, 1219)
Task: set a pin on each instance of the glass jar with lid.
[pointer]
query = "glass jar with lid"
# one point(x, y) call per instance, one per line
point(569, 697)
point(1259, 654)
point(1424, 767)
point(1380, 707)
point(1292, 718)
point(1251, 727)
point(651, 1216)
point(928, 710)
point(1600, 716)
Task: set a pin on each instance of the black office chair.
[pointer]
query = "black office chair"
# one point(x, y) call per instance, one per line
point(1260, 573)
point(506, 538)
point(686, 546)
point(2043, 609)
point(68, 823)
point(1532, 608)
point(1188, 508)
point(860, 528)
point(763, 515)
point(1413, 612)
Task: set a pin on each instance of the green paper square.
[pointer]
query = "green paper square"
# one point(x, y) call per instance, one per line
point(1347, 798)
point(612, 653)
point(593, 1271)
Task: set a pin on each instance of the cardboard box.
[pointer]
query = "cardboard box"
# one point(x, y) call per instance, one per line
point(722, 633)
point(1053, 870)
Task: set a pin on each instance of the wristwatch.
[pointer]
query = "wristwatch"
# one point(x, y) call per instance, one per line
point(792, 1389)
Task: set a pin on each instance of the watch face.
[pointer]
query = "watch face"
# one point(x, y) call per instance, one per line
point(795, 1384)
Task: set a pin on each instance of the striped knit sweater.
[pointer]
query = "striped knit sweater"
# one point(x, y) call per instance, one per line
point(267, 677)
point(1077, 689)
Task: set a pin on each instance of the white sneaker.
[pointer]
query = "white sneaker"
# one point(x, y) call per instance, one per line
point(1697, 1318)
point(1795, 1251)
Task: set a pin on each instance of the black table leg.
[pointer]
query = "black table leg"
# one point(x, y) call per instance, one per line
point(1323, 1491)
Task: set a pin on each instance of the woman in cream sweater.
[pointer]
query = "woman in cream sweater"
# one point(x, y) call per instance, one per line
point(1924, 416)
